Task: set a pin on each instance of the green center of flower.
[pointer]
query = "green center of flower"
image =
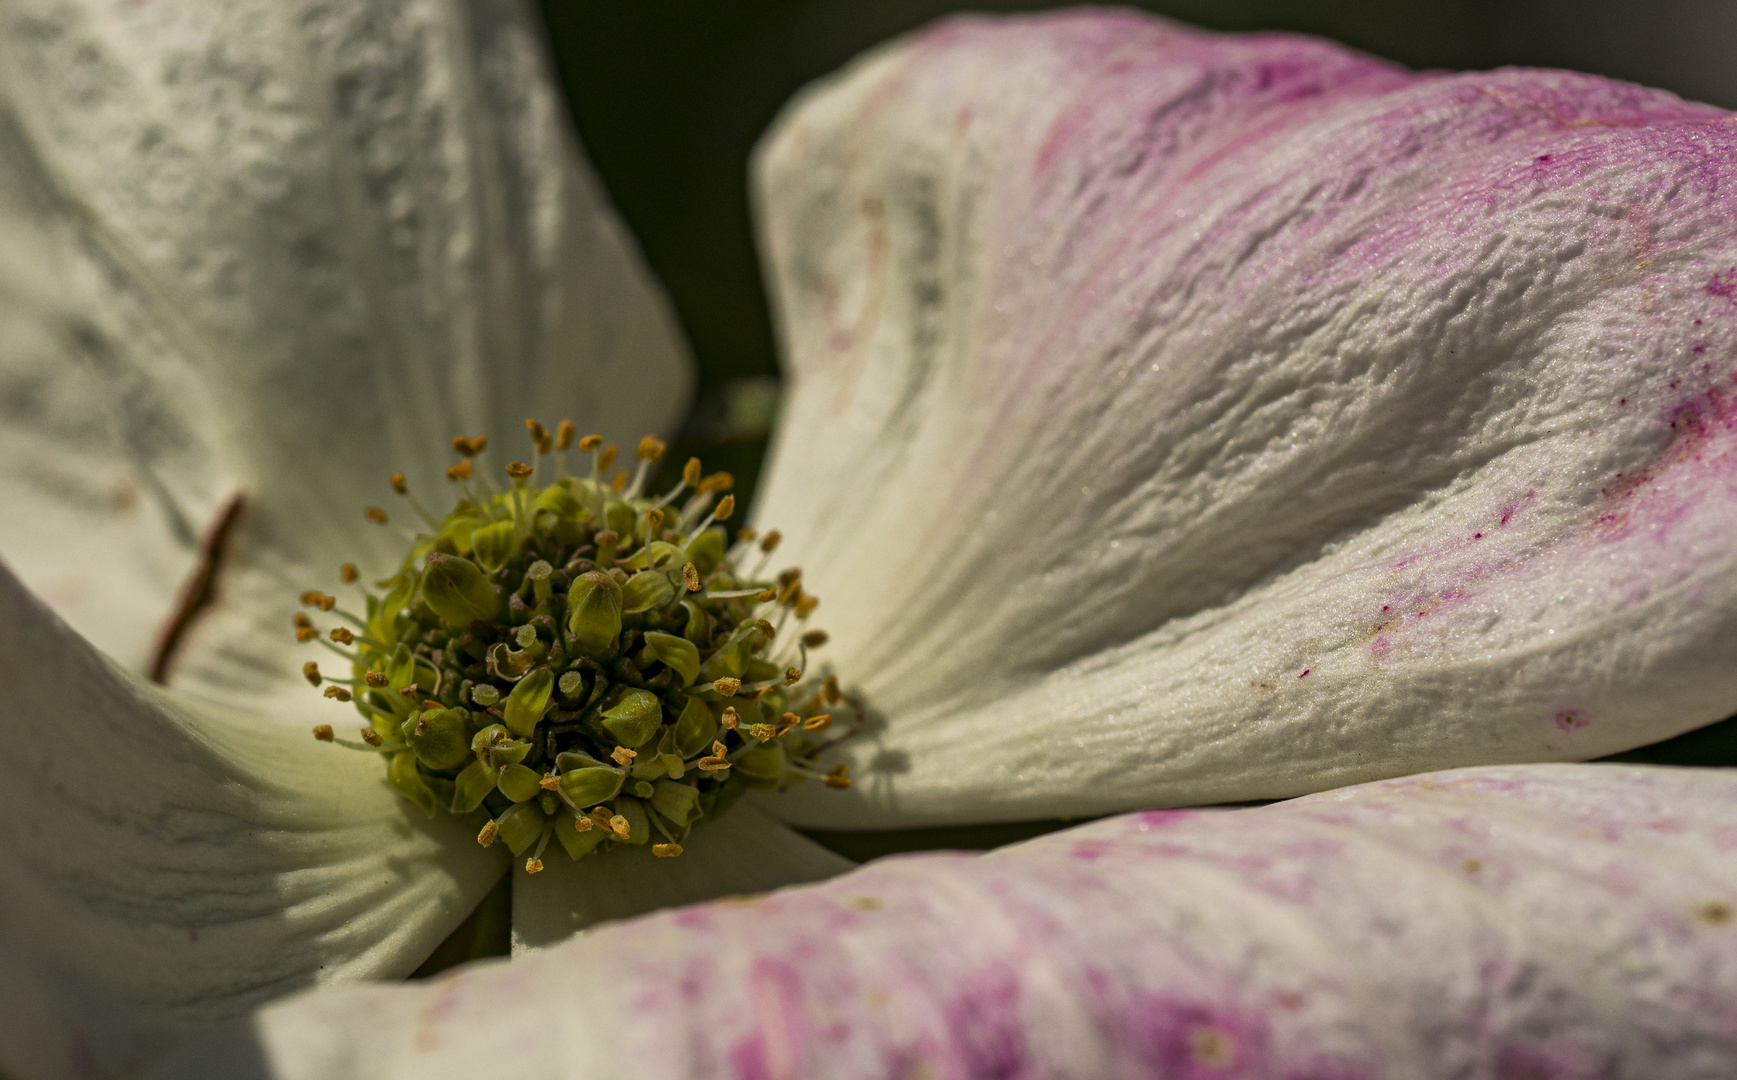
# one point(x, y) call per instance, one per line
point(570, 658)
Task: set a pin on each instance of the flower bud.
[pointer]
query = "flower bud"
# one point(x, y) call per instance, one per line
point(764, 763)
point(440, 738)
point(492, 545)
point(639, 826)
point(678, 804)
point(706, 550)
point(458, 591)
point(405, 780)
point(677, 654)
point(521, 825)
point(519, 783)
point(472, 786)
point(594, 614)
point(590, 786)
point(634, 718)
point(695, 728)
point(646, 590)
point(526, 704)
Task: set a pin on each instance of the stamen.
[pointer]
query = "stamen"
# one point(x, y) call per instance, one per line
point(311, 672)
point(839, 778)
point(374, 514)
point(606, 457)
point(718, 481)
point(461, 471)
point(323, 732)
point(727, 686)
point(730, 721)
point(375, 679)
point(372, 737)
point(650, 448)
point(814, 639)
point(618, 482)
point(691, 472)
point(590, 443)
point(348, 573)
point(306, 634)
point(619, 825)
point(726, 507)
point(770, 543)
point(539, 436)
point(623, 756)
point(564, 432)
point(343, 635)
point(763, 732)
point(831, 690)
point(805, 605)
point(488, 833)
point(666, 851)
point(817, 724)
point(338, 692)
point(399, 485)
point(518, 470)
point(319, 600)
point(691, 577)
point(533, 865)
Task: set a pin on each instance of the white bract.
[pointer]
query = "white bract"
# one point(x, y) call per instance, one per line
point(1173, 419)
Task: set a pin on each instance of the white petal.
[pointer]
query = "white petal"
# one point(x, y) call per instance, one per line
point(1182, 418)
point(741, 853)
point(1550, 921)
point(166, 866)
point(287, 248)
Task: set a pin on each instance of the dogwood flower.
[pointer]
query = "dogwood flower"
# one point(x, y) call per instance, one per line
point(1101, 430)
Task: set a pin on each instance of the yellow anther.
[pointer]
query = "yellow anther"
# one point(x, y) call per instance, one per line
point(838, 779)
point(623, 756)
point(726, 507)
point(770, 543)
point(666, 851)
point(619, 826)
point(549, 782)
point(590, 443)
point(691, 577)
point(343, 635)
point(539, 435)
point(805, 605)
point(766, 594)
point(533, 865)
point(461, 471)
point(691, 472)
point(348, 573)
point(618, 482)
point(650, 448)
point(399, 485)
point(372, 737)
point(302, 620)
point(653, 518)
point(718, 481)
point(469, 448)
point(788, 721)
point(747, 534)
point(763, 732)
point(319, 600)
point(374, 514)
point(311, 672)
point(582, 824)
point(374, 678)
point(713, 764)
point(792, 676)
point(518, 470)
point(564, 432)
point(488, 834)
point(606, 456)
point(719, 749)
point(324, 733)
point(817, 724)
point(727, 686)
point(831, 690)
point(766, 629)
point(814, 639)
point(338, 692)
point(730, 721)
point(600, 817)
point(306, 633)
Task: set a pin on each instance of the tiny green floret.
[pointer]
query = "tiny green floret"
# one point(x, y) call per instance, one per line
point(567, 657)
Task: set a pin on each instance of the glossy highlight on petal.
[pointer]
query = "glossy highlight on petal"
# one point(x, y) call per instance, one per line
point(1553, 920)
point(1181, 418)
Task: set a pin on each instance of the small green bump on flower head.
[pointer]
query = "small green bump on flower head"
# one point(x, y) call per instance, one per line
point(573, 658)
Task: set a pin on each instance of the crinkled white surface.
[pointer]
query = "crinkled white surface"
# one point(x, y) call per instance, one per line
point(281, 249)
point(287, 248)
point(1522, 921)
point(1178, 418)
point(170, 865)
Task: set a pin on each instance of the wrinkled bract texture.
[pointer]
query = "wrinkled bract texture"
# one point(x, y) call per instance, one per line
point(283, 249)
point(1543, 921)
point(1178, 418)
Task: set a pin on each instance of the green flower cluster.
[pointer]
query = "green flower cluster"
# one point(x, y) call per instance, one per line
point(571, 658)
